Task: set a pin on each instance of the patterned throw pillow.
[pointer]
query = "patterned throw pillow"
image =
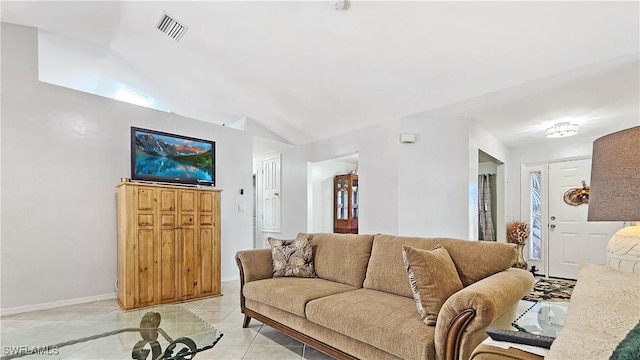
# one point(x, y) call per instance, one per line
point(433, 277)
point(293, 258)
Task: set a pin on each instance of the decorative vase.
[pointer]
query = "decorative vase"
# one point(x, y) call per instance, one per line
point(520, 262)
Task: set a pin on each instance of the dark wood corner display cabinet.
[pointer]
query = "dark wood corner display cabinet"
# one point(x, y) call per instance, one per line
point(345, 209)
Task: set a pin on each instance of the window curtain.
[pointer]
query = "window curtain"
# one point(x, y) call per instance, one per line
point(486, 230)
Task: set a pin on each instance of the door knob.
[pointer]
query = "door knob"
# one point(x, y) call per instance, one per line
point(276, 193)
point(553, 218)
point(553, 226)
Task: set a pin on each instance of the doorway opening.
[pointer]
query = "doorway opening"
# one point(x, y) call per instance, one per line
point(491, 205)
point(320, 190)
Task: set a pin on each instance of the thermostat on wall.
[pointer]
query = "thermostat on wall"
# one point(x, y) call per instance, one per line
point(407, 138)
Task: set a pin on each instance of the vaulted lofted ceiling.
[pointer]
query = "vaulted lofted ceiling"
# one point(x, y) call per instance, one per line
point(307, 71)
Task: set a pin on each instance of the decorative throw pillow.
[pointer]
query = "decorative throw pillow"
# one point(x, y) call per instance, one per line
point(292, 258)
point(629, 347)
point(433, 278)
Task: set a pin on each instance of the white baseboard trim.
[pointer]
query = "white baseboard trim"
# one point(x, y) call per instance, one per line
point(56, 304)
point(230, 278)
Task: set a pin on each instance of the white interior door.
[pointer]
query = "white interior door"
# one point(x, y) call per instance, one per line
point(270, 170)
point(572, 239)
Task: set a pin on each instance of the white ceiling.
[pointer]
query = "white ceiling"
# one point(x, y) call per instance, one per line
point(306, 71)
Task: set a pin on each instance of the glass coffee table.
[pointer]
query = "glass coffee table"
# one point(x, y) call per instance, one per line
point(542, 318)
point(163, 332)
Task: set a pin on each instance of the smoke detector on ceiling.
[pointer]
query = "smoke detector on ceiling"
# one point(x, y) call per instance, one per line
point(339, 4)
point(171, 27)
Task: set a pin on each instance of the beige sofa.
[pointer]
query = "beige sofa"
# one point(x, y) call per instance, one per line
point(361, 306)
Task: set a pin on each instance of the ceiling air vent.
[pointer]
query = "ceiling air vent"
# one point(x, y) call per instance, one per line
point(171, 27)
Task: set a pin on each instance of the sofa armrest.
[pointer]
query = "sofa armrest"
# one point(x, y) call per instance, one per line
point(466, 314)
point(254, 264)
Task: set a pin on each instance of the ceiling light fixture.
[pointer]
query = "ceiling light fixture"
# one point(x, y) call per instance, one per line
point(563, 129)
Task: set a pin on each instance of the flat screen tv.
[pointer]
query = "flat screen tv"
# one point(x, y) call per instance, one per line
point(163, 157)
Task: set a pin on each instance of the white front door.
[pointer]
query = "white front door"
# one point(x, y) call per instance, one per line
point(572, 239)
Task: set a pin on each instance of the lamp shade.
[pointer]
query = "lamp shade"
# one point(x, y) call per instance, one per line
point(615, 177)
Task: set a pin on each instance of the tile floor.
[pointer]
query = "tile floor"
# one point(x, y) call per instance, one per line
point(256, 342)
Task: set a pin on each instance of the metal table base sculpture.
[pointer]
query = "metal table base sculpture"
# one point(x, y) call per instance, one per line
point(182, 348)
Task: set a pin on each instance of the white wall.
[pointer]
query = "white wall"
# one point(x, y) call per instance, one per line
point(321, 179)
point(433, 175)
point(377, 147)
point(439, 177)
point(420, 189)
point(63, 153)
point(378, 150)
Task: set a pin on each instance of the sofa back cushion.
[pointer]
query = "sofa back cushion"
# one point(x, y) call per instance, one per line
point(474, 260)
point(342, 257)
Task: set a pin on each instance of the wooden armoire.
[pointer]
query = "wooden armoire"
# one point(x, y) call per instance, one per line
point(168, 243)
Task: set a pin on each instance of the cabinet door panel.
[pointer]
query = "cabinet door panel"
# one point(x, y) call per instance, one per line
point(146, 267)
point(188, 267)
point(216, 210)
point(167, 200)
point(145, 219)
point(207, 261)
point(206, 220)
point(145, 199)
point(168, 265)
point(206, 202)
point(187, 200)
point(187, 219)
point(167, 220)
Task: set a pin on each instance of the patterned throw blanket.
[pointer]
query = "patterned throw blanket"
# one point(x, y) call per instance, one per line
point(551, 290)
point(603, 309)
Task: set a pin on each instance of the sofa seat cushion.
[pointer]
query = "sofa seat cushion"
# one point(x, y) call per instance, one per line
point(291, 294)
point(388, 322)
point(349, 345)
